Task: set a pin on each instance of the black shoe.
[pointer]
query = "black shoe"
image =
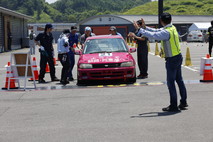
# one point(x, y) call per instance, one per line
point(41, 81)
point(171, 109)
point(64, 82)
point(71, 79)
point(183, 106)
point(55, 79)
point(142, 76)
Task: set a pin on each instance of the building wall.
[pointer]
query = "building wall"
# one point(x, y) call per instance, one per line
point(103, 22)
point(1, 33)
point(106, 20)
point(19, 32)
point(122, 29)
point(16, 30)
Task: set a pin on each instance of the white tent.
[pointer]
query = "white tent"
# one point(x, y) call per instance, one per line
point(199, 26)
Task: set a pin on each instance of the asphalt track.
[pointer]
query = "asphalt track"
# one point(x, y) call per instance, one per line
point(108, 112)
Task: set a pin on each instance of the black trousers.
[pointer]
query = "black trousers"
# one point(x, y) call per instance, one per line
point(142, 55)
point(44, 59)
point(210, 47)
point(65, 61)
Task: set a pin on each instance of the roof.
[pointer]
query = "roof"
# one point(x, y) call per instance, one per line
point(153, 19)
point(13, 13)
point(176, 19)
point(199, 26)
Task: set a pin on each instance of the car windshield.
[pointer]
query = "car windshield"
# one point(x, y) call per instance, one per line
point(104, 45)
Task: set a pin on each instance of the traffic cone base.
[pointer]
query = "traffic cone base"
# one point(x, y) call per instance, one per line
point(9, 74)
point(35, 71)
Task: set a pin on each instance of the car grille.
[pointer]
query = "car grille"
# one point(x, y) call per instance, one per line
point(112, 65)
point(107, 74)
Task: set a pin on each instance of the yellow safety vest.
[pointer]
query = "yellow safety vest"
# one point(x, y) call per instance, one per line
point(171, 47)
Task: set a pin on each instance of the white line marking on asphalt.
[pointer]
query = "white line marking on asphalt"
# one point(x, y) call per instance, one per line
point(190, 68)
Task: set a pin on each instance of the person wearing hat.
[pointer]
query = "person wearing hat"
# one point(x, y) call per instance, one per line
point(113, 31)
point(73, 40)
point(63, 50)
point(87, 33)
point(44, 41)
point(171, 47)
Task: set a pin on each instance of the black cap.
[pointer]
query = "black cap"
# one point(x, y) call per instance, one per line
point(66, 31)
point(112, 28)
point(73, 28)
point(166, 16)
point(48, 26)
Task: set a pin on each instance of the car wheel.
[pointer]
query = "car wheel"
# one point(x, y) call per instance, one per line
point(81, 82)
point(132, 80)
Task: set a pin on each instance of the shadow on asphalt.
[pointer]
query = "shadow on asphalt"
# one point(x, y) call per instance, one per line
point(155, 114)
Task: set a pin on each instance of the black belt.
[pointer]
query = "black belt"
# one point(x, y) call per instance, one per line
point(62, 53)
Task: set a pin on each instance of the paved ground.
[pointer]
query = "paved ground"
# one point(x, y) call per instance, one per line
point(119, 113)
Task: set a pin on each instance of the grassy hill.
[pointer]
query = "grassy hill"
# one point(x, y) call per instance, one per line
point(175, 7)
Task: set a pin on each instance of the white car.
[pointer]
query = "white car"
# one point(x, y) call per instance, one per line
point(195, 36)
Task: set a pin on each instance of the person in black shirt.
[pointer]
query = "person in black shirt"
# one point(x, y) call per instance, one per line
point(210, 33)
point(44, 41)
point(142, 53)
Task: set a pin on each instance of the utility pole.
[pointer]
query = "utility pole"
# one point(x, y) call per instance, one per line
point(160, 11)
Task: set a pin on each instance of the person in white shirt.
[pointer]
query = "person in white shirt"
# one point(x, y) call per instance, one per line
point(63, 49)
point(32, 37)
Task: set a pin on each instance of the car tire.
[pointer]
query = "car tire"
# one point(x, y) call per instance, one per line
point(132, 80)
point(82, 82)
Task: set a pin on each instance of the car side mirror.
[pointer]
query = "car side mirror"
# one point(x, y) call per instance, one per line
point(132, 50)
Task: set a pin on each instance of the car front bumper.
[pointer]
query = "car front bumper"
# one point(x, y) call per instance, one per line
point(107, 74)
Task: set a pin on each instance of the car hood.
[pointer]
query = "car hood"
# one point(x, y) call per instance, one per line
point(106, 57)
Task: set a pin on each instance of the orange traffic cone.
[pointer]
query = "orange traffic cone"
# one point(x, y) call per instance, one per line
point(35, 71)
point(9, 74)
point(54, 60)
point(47, 68)
point(207, 73)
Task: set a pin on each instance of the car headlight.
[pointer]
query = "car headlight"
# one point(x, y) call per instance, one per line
point(126, 64)
point(85, 66)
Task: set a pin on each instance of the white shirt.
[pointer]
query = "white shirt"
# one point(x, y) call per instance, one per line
point(60, 45)
point(157, 34)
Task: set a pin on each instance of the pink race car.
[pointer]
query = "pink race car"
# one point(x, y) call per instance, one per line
point(104, 58)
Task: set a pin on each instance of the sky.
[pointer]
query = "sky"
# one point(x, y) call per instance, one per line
point(50, 1)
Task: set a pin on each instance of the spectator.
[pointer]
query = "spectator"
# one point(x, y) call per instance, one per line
point(113, 31)
point(32, 42)
point(88, 33)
